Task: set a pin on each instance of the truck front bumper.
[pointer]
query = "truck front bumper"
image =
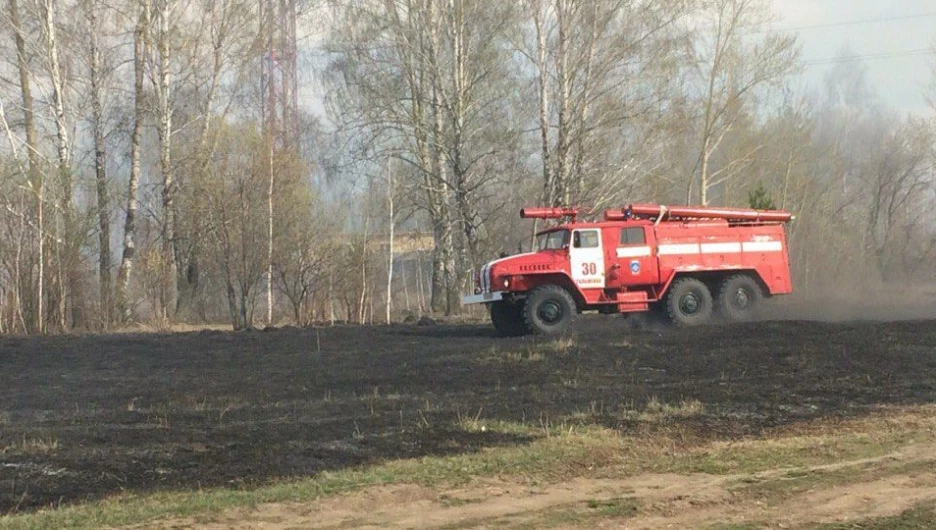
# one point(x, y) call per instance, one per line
point(483, 298)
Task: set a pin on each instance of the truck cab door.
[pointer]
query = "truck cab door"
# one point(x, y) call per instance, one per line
point(634, 263)
point(586, 258)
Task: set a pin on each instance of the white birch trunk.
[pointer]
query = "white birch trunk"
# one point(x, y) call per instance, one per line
point(269, 271)
point(390, 252)
point(164, 131)
point(539, 20)
point(129, 247)
point(70, 279)
point(362, 307)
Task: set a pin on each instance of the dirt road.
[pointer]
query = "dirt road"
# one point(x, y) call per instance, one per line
point(850, 491)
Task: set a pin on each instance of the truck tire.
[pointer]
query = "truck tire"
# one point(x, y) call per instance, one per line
point(738, 298)
point(549, 310)
point(508, 319)
point(689, 302)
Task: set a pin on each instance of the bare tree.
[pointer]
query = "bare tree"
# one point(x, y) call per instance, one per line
point(140, 43)
point(444, 115)
point(897, 180)
point(35, 180)
point(402, 112)
point(604, 72)
point(97, 77)
point(236, 215)
point(732, 69)
point(164, 15)
point(71, 233)
point(391, 222)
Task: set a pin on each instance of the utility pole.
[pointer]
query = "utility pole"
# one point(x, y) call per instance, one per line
point(279, 105)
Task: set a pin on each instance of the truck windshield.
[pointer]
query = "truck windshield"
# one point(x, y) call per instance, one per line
point(552, 240)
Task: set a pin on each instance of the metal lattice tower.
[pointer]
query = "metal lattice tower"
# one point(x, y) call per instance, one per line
point(279, 81)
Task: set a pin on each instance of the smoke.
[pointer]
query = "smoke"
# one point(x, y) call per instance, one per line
point(877, 303)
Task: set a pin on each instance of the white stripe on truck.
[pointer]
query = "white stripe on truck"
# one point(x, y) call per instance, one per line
point(669, 250)
point(721, 248)
point(633, 252)
point(762, 246)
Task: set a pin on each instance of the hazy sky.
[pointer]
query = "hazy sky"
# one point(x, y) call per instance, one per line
point(903, 30)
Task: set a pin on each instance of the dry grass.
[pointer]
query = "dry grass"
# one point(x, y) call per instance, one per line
point(558, 346)
point(31, 446)
point(532, 353)
point(656, 410)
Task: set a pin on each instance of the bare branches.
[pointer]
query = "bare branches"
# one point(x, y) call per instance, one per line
point(474, 108)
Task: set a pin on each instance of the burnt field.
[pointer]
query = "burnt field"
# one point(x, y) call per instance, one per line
point(85, 417)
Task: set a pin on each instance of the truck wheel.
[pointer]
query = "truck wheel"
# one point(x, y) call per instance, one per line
point(549, 310)
point(689, 302)
point(738, 297)
point(508, 319)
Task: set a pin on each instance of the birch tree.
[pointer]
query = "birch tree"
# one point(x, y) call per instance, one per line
point(391, 224)
point(603, 72)
point(140, 43)
point(164, 14)
point(71, 231)
point(733, 66)
point(35, 177)
point(98, 77)
point(384, 86)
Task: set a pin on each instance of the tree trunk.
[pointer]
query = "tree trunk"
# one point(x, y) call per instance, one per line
point(444, 264)
point(35, 176)
point(164, 131)
point(581, 133)
point(539, 21)
point(18, 268)
point(100, 162)
point(420, 289)
point(246, 314)
point(72, 236)
point(331, 298)
point(390, 251)
point(458, 109)
point(403, 280)
point(361, 313)
point(562, 196)
point(704, 172)
point(269, 272)
point(129, 248)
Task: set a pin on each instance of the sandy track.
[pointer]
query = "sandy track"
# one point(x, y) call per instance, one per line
point(879, 487)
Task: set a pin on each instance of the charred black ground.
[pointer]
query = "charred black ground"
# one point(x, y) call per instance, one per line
point(82, 418)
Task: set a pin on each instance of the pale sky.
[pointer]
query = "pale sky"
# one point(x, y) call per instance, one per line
point(902, 30)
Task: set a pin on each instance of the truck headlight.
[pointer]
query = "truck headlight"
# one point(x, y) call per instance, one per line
point(506, 283)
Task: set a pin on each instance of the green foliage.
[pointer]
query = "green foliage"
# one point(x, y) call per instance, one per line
point(760, 198)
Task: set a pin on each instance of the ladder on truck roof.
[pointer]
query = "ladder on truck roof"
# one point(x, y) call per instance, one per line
point(659, 212)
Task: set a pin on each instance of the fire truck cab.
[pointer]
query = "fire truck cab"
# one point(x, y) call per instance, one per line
point(687, 262)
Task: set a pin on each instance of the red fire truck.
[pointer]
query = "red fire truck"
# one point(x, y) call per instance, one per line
point(687, 262)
